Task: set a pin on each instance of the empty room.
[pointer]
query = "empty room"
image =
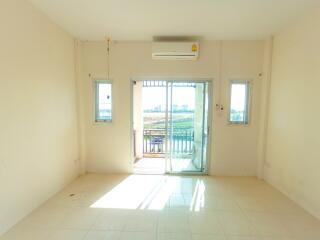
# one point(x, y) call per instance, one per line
point(159, 120)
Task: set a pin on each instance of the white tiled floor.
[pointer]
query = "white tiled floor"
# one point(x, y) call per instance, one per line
point(150, 166)
point(146, 207)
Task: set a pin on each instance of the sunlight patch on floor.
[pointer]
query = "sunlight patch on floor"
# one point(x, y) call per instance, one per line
point(198, 199)
point(149, 192)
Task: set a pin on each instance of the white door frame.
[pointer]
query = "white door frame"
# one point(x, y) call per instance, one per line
point(210, 108)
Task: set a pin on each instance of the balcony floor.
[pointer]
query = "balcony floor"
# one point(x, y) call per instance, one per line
point(158, 166)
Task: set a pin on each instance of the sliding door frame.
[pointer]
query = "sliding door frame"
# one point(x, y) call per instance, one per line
point(209, 81)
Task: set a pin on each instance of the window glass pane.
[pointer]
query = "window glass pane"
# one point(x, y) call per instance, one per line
point(103, 101)
point(239, 102)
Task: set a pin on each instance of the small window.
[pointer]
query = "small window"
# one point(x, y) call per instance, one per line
point(103, 101)
point(239, 104)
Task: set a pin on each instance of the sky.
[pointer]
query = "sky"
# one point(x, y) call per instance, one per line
point(105, 97)
point(238, 97)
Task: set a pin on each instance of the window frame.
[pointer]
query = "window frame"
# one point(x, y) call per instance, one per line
point(248, 84)
point(96, 83)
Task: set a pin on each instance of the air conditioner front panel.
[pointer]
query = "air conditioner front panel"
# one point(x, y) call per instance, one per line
point(175, 51)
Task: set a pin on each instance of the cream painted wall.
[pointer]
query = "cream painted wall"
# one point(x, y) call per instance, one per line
point(38, 123)
point(107, 145)
point(293, 157)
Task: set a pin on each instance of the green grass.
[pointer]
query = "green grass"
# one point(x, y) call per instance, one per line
point(181, 121)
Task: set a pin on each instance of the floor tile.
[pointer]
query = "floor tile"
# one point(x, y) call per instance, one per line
point(174, 236)
point(208, 237)
point(68, 234)
point(244, 238)
point(269, 224)
point(137, 236)
point(102, 235)
point(236, 223)
point(205, 223)
point(80, 218)
point(220, 203)
point(110, 220)
point(174, 223)
point(142, 221)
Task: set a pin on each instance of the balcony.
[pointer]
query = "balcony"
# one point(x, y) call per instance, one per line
point(180, 141)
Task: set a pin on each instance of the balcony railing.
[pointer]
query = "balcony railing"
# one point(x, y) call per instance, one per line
point(181, 141)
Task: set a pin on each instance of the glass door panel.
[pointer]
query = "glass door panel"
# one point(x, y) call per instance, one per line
point(187, 126)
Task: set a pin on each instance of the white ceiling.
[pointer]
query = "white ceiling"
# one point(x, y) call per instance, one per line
point(142, 19)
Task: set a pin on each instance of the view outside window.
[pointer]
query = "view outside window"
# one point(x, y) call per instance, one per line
point(239, 106)
point(180, 103)
point(154, 107)
point(154, 97)
point(174, 123)
point(103, 101)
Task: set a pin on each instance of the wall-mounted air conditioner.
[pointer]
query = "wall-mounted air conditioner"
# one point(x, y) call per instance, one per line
point(175, 50)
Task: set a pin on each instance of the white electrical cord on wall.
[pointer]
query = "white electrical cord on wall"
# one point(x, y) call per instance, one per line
point(108, 58)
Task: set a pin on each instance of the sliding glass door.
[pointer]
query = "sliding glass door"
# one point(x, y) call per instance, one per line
point(187, 126)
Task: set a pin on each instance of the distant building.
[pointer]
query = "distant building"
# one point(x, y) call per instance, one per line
point(185, 107)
